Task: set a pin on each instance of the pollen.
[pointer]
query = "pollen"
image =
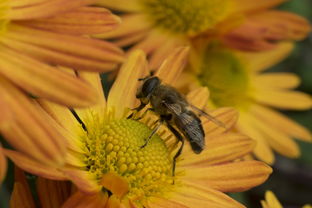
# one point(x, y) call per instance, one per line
point(225, 76)
point(185, 17)
point(115, 147)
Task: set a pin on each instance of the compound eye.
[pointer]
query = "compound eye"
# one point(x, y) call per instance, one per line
point(149, 85)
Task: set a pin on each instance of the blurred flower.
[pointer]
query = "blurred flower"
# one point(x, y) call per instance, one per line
point(104, 160)
point(37, 35)
point(157, 26)
point(238, 79)
point(272, 202)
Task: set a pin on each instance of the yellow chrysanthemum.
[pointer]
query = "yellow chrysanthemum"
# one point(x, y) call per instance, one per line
point(238, 79)
point(104, 160)
point(157, 26)
point(37, 35)
point(272, 202)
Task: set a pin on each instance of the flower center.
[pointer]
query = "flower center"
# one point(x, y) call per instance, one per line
point(184, 16)
point(115, 147)
point(224, 75)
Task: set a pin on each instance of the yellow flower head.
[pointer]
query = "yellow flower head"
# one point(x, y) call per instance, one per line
point(38, 35)
point(104, 160)
point(158, 26)
point(238, 79)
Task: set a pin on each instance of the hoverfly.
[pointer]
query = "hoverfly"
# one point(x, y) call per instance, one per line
point(175, 112)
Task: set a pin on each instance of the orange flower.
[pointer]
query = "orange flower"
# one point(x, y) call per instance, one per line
point(38, 35)
point(104, 160)
point(157, 26)
point(238, 79)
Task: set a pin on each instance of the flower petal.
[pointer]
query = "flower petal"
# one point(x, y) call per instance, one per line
point(229, 177)
point(281, 122)
point(198, 97)
point(33, 166)
point(282, 80)
point(46, 81)
point(115, 184)
point(31, 132)
point(122, 93)
point(284, 99)
point(52, 193)
point(42, 8)
point(271, 199)
point(120, 5)
point(3, 165)
point(81, 200)
point(223, 148)
point(81, 21)
point(173, 66)
point(251, 6)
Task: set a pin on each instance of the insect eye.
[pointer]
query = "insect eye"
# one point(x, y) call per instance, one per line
point(149, 85)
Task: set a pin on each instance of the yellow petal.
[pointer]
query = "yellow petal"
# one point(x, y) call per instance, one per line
point(29, 10)
point(198, 97)
point(220, 149)
point(45, 81)
point(271, 200)
point(251, 6)
point(85, 181)
point(229, 177)
point(263, 60)
point(115, 184)
point(173, 66)
point(51, 193)
point(120, 5)
point(283, 99)
point(81, 21)
point(33, 166)
point(262, 150)
point(282, 80)
point(281, 122)
point(123, 91)
point(81, 200)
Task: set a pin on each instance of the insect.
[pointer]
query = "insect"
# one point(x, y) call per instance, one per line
point(175, 112)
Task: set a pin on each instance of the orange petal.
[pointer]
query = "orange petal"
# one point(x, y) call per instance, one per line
point(252, 6)
point(31, 132)
point(3, 165)
point(198, 97)
point(52, 193)
point(120, 5)
point(81, 21)
point(263, 60)
point(223, 148)
point(271, 200)
point(85, 181)
point(282, 80)
point(42, 8)
point(283, 99)
point(46, 81)
point(173, 66)
point(262, 150)
point(81, 200)
point(113, 202)
point(115, 184)
point(33, 166)
point(229, 177)
point(281, 122)
point(122, 93)
point(62, 49)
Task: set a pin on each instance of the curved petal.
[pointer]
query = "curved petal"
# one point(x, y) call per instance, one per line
point(252, 6)
point(198, 97)
point(122, 93)
point(271, 200)
point(115, 184)
point(81, 200)
point(229, 177)
point(120, 5)
point(282, 80)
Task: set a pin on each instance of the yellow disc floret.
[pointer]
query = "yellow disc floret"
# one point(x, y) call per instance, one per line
point(184, 16)
point(115, 147)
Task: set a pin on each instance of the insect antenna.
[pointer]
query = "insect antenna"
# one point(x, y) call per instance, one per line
point(78, 119)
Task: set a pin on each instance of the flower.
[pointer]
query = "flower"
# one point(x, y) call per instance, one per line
point(38, 36)
point(104, 160)
point(157, 26)
point(272, 202)
point(239, 79)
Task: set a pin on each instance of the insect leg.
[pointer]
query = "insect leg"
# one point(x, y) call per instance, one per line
point(152, 134)
point(140, 107)
point(180, 138)
point(142, 116)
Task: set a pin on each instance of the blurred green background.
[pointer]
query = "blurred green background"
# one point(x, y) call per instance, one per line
point(291, 180)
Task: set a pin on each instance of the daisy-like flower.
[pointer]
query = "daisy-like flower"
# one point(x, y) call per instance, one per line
point(38, 35)
point(239, 79)
point(157, 26)
point(272, 202)
point(104, 159)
